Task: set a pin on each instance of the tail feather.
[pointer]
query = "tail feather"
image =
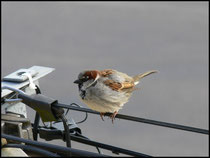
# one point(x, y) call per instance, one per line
point(140, 76)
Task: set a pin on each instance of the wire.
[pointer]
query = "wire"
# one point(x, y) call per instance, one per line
point(52, 147)
point(116, 150)
point(86, 116)
point(76, 136)
point(67, 132)
point(37, 118)
point(9, 99)
point(99, 151)
point(138, 119)
point(13, 89)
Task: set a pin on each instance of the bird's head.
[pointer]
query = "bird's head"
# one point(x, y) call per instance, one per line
point(87, 78)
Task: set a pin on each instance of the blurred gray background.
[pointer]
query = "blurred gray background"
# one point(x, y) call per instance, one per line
point(131, 37)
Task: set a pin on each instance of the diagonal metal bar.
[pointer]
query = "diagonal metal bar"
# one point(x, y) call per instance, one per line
point(54, 148)
point(108, 147)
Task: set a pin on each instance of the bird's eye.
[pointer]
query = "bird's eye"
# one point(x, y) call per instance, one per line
point(85, 77)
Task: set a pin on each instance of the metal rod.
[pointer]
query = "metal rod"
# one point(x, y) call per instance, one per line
point(13, 89)
point(137, 119)
point(67, 133)
point(77, 137)
point(108, 147)
point(54, 148)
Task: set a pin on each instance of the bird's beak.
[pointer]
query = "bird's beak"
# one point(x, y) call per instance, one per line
point(78, 81)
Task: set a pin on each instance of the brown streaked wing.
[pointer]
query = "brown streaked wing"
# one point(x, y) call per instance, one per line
point(118, 86)
point(106, 72)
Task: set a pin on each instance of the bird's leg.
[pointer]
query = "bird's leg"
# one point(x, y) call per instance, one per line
point(113, 116)
point(102, 114)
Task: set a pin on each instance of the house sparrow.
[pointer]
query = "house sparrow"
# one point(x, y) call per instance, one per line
point(107, 90)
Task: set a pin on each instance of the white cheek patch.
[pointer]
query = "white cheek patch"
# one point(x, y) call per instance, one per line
point(93, 82)
point(89, 83)
point(97, 77)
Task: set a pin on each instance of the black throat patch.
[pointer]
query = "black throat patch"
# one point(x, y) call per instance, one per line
point(83, 92)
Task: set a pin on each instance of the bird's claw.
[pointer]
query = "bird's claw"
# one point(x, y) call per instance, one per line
point(113, 116)
point(102, 114)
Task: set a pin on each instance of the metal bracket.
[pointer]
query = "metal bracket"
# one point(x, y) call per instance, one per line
point(19, 81)
point(42, 104)
point(56, 131)
point(15, 125)
point(41, 72)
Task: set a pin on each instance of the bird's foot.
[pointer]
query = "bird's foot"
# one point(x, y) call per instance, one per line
point(102, 114)
point(113, 116)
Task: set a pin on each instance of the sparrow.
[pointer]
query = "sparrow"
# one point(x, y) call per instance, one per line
point(106, 91)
